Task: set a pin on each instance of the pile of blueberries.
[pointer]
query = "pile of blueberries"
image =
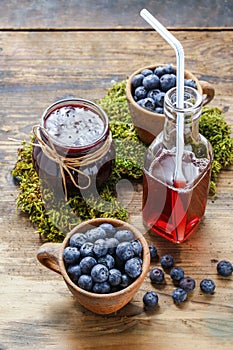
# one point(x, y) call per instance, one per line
point(184, 284)
point(104, 259)
point(149, 87)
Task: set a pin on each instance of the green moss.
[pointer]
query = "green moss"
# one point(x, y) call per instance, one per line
point(54, 218)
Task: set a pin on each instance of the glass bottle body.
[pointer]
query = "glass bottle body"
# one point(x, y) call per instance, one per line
point(169, 210)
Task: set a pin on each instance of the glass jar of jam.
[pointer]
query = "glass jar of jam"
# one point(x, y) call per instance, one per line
point(73, 149)
point(172, 209)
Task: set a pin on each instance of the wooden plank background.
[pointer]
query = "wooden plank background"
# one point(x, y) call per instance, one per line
point(86, 14)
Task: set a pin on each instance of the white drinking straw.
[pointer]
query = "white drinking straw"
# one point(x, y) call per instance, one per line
point(178, 176)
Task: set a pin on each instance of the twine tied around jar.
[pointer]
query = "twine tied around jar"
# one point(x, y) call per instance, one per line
point(68, 164)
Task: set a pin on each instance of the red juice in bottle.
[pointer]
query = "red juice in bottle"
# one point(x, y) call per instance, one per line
point(172, 212)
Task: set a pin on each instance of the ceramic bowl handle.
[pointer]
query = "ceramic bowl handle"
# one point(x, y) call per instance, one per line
point(208, 91)
point(48, 255)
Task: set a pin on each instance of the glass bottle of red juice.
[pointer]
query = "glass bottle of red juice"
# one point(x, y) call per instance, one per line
point(172, 211)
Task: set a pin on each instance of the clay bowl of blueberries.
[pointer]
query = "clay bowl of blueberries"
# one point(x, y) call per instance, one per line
point(145, 91)
point(102, 261)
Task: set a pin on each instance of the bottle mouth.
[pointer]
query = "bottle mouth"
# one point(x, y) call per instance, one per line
point(192, 100)
point(76, 103)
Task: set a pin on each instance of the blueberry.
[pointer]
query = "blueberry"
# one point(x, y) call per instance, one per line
point(207, 286)
point(114, 277)
point(86, 264)
point(156, 275)
point(179, 295)
point(140, 92)
point(124, 236)
point(133, 267)
point(77, 240)
point(177, 273)
point(146, 72)
point(225, 268)
point(153, 251)
point(124, 251)
point(87, 249)
point(159, 99)
point(108, 228)
point(167, 261)
point(137, 247)
point(74, 272)
point(151, 82)
point(99, 273)
point(95, 233)
point(147, 103)
point(101, 287)
point(150, 299)
point(107, 260)
point(100, 247)
point(125, 280)
point(190, 83)
point(153, 93)
point(85, 282)
point(112, 243)
point(137, 80)
point(188, 284)
point(71, 255)
point(159, 110)
point(167, 81)
point(159, 71)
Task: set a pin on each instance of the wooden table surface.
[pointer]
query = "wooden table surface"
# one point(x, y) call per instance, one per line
point(45, 56)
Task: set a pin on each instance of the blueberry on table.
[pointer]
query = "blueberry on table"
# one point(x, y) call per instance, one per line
point(156, 275)
point(99, 273)
point(179, 295)
point(150, 299)
point(188, 284)
point(176, 274)
point(85, 282)
point(225, 268)
point(146, 72)
point(167, 261)
point(133, 267)
point(137, 80)
point(101, 288)
point(151, 82)
point(125, 251)
point(153, 251)
point(140, 92)
point(207, 286)
point(86, 264)
point(71, 255)
point(77, 240)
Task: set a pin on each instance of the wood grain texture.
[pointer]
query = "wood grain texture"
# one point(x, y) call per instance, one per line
point(36, 310)
point(105, 14)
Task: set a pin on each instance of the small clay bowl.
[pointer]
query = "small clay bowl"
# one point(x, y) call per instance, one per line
point(50, 255)
point(149, 124)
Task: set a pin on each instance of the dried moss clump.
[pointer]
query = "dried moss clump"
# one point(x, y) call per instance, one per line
point(54, 218)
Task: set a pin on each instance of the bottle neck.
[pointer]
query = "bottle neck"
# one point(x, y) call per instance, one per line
point(190, 114)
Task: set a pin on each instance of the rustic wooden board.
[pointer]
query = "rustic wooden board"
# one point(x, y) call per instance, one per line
point(36, 309)
point(86, 14)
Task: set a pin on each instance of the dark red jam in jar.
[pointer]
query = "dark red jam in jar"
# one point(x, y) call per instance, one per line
point(73, 145)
